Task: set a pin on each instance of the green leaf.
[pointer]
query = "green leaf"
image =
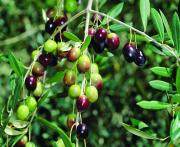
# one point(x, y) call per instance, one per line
point(13, 132)
point(158, 24)
point(56, 78)
point(145, 12)
point(178, 80)
point(166, 25)
point(102, 2)
point(86, 43)
point(161, 85)
point(15, 64)
point(45, 95)
point(114, 12)
point(14, 140)
point(153, 105)
point(175, 130)
point(71, 36)
point(176, 98)
point(140, 133)
point(55, 128)
point(162, 71)
point(138, 123)
point(176, 31)
point(19, 124)
point(119, 28)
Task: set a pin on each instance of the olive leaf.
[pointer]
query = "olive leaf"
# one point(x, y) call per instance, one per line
point(86, 43)
point(71, 36)
point(161, 85)
point(13, 132)
point(162, 71)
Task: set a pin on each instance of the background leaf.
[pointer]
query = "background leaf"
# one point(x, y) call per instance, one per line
point(161, 85)
point(145, 12)
point(158, 24)
point(178, 80)
point(153, 105)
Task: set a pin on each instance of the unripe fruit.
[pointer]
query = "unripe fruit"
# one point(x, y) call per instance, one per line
point(71, 120)
point(91, 32)
point(30, 144)
point(31, 82)
point(71, 6)
point(92, 93)
point(73, 54)
point(60, 52)
point(38, 69)
point(112, 41)
point(100, 35)
point(140, 59)
point(69, 78)
point(31, 103)
point(39, 90)
point(96, 80)
point(45, 59)
point(74, 91)
point(82, 103)
point(60, 143)
point(129, 52)
point(82, 131)
point(49, 26)
point(50, 13)
point(22, 112)
point(35, 53)
point(84, 63)
point(50, 46)
point(22, 142)
point(98, 47)
point(94, 68)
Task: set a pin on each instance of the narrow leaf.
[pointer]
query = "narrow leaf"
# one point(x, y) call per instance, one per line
point(178, 80)
point(176, 98)
point(102, 2)
point(56, 78)
point(145, 12)
point(86, 43)
point(166, 25)
point(19, 123)
point(55, 128)
point(114, 12)
point(138, 123)
point(162, 71)
point(71, 36)
point(161, 85)
point(153, 105)
point(158, 24)
point(12, 132)
point(176, 31)
point(119, 28)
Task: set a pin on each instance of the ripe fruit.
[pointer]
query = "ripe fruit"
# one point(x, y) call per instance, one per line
point(73, 54)
point(84, 63)
point(50, 46)
point(140, 59)
point(22, 112)
point(60, 21)
point(100, 35)
point(30, 144)
point(129, 52)
point(82, 103)
point(49, 26)
point(94, 68)
point(38, 69)
point(31, 82)
point(91, 32)
point(71, 120)
point(31, 103)
point(74, 91)
point(82, 131)
point(45, 59)
point(69, 78)
point(96, 80)
point(71, 6)
point(98, 47)
point(22, 142)
point(39, 90)
point(96, 17)
point(92, 93)
point(112, 41)
point(50, 12)
point(54, 60)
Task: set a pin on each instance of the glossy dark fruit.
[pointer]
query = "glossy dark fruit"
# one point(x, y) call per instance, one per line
point(73, 54)
point(140, 59)
point(60, 21)
point(38, 69)
point(91, 32)
point(71, 120)
point(22, 142)
point(84, 63)
point(82, 131)
point(45, 59)
point(50, 13)
point(58, 37)
point(96, 18)
point(96, 80)
point(112, 41)
point(82, 103)
point(129, 52)
point(49, 26)
point(69, 78)
point(22, 112)
point(100, 35)
point(54, 60)
point(71, 6)
point(31, 82)
point(98, 47)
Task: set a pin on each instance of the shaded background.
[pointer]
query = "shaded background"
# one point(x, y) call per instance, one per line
point(22, 30)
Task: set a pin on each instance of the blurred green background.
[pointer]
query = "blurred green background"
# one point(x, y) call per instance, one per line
point(22, 30)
